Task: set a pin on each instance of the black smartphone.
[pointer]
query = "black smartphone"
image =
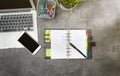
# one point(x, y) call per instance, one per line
point(29, 43)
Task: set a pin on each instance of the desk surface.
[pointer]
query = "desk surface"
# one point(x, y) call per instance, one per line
point(102, 16)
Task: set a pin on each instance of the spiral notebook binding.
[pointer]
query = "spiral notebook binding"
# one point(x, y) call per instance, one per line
point(68, 56)
point(68, 44)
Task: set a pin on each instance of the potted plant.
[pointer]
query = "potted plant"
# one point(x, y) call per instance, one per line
point(68, 4)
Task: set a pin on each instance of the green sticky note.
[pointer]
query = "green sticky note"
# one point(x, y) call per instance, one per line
point(47, 31)
point(48, 53)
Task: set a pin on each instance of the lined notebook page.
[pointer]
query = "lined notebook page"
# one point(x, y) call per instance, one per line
point(78, 39)
point(58, 44)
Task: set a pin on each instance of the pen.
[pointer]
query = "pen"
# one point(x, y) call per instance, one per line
point(45, 6)
point(77, 49)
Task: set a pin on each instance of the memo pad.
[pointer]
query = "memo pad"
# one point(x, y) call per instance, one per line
point(66, 44)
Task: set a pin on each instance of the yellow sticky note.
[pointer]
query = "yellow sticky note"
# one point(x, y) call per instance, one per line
point(86, 44)
point(47, 31)
point(47, 41)
point(47, 36)
point(48, 52)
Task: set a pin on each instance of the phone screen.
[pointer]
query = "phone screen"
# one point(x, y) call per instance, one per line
point(28, 42)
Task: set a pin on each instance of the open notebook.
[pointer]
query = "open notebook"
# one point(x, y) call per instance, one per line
point(66, 44)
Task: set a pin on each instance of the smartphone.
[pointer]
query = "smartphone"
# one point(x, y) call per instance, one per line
point(29, 43)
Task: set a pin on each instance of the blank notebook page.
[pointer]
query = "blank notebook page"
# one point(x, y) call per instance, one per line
point(58, 44)
point(78, 39)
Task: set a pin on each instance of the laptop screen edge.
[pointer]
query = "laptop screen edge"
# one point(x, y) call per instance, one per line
point(19, 9)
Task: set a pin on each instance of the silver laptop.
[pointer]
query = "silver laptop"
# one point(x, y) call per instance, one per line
point(16, 16)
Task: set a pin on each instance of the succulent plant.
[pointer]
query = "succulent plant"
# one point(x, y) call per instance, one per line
point(69, 3)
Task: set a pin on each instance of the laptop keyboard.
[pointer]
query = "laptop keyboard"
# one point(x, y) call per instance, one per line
point(16, 22)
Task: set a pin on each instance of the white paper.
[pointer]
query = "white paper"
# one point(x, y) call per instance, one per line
point(59, 44)
point(78, 39)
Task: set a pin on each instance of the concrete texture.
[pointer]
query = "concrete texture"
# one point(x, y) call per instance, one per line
point(102, 16)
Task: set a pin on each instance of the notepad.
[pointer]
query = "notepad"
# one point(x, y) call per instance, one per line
point(66, 44)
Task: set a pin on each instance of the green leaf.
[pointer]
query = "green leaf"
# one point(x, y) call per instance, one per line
point(77, 1)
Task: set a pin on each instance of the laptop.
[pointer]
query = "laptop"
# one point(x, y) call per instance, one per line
point(16, 16)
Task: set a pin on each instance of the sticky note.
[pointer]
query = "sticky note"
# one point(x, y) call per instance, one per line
point(86, 44)
point(47, 31)
point(47, 40)
point(47, 37)
point(48, 52)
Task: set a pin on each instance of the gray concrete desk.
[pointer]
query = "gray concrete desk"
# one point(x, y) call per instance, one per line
point(102, 16)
